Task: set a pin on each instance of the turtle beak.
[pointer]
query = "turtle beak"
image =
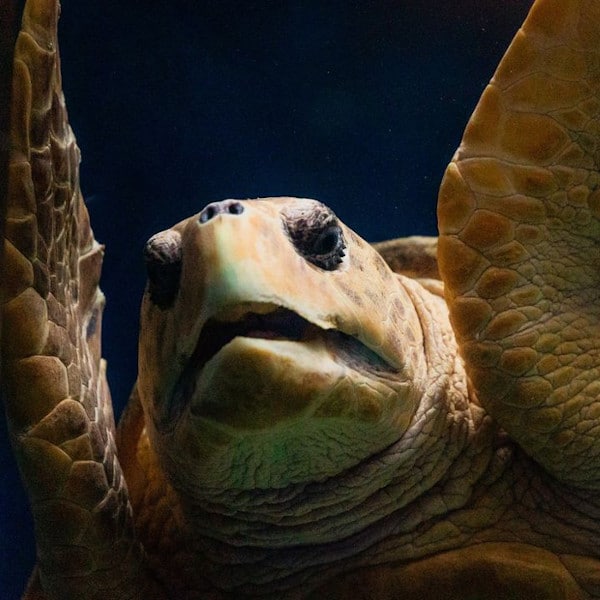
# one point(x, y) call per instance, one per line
point(278, 324)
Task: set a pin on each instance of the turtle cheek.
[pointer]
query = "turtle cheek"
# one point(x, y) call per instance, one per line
point(158, 360)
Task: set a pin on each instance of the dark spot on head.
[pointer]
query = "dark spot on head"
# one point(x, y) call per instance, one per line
point(382, 267)
point(372, 296)
point(356, 298)
point(399, 309)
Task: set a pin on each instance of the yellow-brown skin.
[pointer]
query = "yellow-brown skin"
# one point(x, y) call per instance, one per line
point(408, 488)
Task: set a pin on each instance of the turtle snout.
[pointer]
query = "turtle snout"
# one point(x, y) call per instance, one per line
point(231, 207)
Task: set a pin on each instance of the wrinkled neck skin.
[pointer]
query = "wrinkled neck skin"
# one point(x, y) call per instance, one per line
point(450, 480)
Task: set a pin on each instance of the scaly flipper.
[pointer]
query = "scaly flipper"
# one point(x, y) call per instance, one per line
point(519, 216)
point(414, 256)
point(57, 399)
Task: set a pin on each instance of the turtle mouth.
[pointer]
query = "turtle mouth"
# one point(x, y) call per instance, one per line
point(269, 322)
point(280, 324)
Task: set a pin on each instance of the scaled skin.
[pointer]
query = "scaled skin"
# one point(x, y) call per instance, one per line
point(333, 445)
point(519, 223)
point(444, 477)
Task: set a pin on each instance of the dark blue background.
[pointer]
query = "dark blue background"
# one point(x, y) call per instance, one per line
point(175, 104)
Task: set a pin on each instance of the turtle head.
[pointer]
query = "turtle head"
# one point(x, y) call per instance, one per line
point(273, 347)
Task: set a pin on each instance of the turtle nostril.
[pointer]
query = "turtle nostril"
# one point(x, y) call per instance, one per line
point(208, 213)
point(235, 208)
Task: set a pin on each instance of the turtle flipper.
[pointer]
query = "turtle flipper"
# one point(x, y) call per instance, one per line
point(414, 256)
point(519, 251)
point(57, 398)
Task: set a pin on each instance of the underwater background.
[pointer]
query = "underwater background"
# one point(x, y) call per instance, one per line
point(176, 104)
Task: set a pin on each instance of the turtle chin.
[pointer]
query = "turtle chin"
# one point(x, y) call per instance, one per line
point(269, 413)
point(256, 383)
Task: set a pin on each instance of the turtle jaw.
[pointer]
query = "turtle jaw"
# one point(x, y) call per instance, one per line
point(268, 399)
point(261, 321)
point(273, 322)
point(262, 334)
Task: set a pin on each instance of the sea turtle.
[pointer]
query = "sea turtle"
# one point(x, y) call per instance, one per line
point(315, 417)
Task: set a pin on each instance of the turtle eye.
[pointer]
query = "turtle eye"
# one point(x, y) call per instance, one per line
point(327, 249)
point(162, 254)
point(329, 241)
point(316, 235)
